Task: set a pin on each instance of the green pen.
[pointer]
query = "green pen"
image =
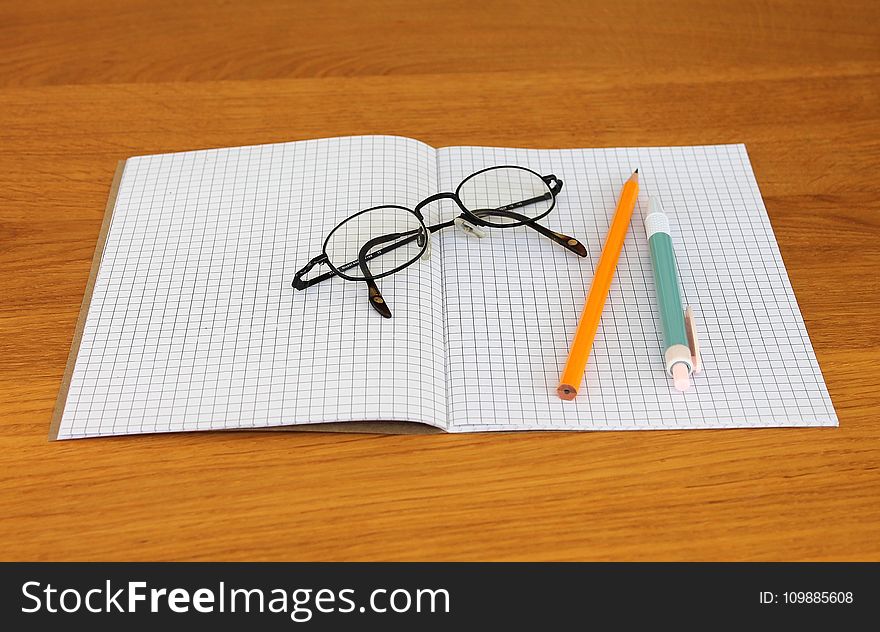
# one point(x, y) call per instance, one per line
point(681, 352)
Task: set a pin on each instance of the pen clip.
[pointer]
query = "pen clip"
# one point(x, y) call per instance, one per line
point(693, 341)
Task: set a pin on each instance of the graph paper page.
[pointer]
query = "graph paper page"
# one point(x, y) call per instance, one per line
point(513, 300)
point(194, 325)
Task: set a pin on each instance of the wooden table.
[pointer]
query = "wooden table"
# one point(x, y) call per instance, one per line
point(83, 85)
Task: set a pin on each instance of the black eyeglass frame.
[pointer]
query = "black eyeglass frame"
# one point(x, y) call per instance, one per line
point(554, 186)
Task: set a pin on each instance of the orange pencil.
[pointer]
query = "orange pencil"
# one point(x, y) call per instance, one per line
point(573, 374)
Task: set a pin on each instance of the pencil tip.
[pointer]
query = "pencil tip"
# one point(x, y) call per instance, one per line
point(637, 170)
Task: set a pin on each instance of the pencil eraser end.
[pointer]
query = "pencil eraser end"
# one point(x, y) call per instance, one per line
point(566, 392)
point(680, 377)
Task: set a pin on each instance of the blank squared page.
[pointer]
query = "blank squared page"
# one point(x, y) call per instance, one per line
point(194, 325)
point(513, 301)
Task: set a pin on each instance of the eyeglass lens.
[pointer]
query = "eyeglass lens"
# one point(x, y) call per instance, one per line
point(506, 196)
point(388, 238)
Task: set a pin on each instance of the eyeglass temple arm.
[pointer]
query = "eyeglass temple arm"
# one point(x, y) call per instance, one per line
point(551, 181)
point(376, 298)
point(555, 185)
point(569, 243)
point(301, 284)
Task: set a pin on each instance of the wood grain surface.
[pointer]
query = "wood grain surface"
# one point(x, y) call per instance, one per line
point(83, 85)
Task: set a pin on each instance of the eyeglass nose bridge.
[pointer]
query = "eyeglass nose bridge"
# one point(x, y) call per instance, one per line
point(435, 198)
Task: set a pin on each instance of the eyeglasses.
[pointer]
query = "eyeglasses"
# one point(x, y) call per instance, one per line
point(382, 240)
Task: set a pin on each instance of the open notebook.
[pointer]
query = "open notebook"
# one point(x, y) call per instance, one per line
point(190, 322)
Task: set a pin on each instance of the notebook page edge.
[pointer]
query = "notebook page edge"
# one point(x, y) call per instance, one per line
point(64, 389)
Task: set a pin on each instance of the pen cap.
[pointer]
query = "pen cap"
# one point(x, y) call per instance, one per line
point(656, 221)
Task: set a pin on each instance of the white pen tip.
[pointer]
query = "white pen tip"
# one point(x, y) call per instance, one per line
point(680, 377)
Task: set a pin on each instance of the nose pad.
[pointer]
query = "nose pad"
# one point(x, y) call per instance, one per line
point(424, 240)
point(470, 229)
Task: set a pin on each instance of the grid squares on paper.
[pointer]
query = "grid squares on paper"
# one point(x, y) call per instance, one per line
point(513, 300)
point(193, 324)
